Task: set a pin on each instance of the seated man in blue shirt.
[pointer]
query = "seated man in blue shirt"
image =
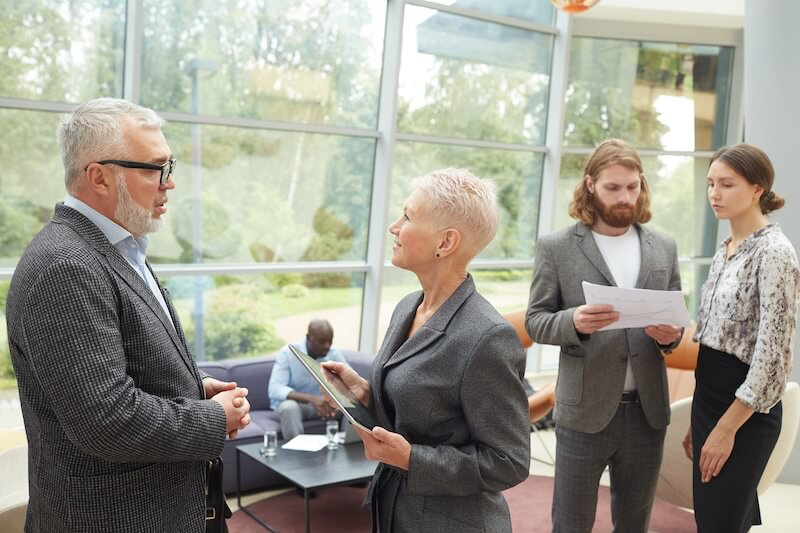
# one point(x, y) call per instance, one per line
point(293, 393)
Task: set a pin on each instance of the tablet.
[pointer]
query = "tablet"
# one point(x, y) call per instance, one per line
point(352, 408)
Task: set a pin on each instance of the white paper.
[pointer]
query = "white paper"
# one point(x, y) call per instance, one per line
point(307, 443)
point(639, 308)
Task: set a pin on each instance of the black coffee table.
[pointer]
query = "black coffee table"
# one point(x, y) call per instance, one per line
point(308, 470)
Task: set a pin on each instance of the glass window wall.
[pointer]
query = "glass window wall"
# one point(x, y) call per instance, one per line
point(471, 79)
point(536, 12)
point(516, 174)
point(245, 195)
point(665, 96)
point(253, 315)
point(61, 51)
point(282, 164)
point(310, 61)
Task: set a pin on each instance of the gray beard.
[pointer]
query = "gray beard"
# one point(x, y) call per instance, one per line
point(131, 216)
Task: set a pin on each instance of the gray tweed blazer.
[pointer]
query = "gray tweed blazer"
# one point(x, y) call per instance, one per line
point(118, 430)
point(454, 391)
point(591, 373)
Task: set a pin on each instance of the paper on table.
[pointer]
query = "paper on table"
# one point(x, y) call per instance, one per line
point(306, 443)
point(639, 308)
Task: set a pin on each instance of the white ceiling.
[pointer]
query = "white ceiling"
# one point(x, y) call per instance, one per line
point(708, 13)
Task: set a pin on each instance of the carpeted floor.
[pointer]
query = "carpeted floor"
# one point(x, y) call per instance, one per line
point(338, 509)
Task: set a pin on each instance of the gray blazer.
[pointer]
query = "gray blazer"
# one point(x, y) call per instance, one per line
point(454, 391)
point(592, 368)
point(112, 400)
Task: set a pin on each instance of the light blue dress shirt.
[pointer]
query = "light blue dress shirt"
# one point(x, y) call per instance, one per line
point(132, 248)
point(289, 374)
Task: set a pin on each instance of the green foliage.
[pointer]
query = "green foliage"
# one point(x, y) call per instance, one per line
point(4, 286)
point(35, 35)
point(283, 280)
point(17, 227)
point(236, 324)
point(6, 368)
point(295, 290)
point(333, 239)
point(348, 190)
point(515, 174)
point(277, 59)
point(221, 235)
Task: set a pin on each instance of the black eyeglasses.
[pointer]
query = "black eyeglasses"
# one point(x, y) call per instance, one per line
point(166, 169)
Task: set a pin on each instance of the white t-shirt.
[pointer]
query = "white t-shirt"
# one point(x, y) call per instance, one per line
point(623, 255)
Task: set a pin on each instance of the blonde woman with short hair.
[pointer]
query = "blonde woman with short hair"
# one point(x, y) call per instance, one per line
point(446, 387)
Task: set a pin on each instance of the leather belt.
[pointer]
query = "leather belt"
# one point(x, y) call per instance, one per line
point(630, 396)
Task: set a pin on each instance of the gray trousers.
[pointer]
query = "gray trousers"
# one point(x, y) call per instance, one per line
point(292, 414)
point(631, 449)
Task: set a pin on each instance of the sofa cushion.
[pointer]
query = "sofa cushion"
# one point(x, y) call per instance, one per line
point(254, 375)
point(360, 361)
point(263, 420)
point(254, 428)
point(216, 369)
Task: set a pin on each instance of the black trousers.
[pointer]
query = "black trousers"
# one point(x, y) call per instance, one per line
point(729, 502)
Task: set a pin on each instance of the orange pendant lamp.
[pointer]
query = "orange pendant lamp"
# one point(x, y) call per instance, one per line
point(573, 6)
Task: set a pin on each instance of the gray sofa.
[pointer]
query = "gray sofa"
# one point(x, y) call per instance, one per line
point(254, 373)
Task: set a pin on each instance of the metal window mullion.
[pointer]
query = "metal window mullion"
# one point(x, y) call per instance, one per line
point(470, 143)
point(36, 105)
point(551, 170)
point(484, 16)
point(246, 269)
point(197, 269)
point(132, 63)
point(276, 125)
point(382, 173)
point(643, 152)
point(736, 105)
point(735, 133)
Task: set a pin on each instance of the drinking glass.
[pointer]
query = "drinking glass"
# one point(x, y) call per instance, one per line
point(332, 430)
point(270, 447)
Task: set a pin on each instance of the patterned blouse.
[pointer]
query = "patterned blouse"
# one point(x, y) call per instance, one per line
point(748, 309)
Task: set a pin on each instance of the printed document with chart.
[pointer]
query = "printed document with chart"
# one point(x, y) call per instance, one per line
point(639, 308)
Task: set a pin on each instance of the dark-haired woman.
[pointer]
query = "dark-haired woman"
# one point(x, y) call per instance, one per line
point(746, 328)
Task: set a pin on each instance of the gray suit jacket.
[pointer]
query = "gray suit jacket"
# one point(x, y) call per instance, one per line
point(454, 391)
point(592, 368)
point(112, 400)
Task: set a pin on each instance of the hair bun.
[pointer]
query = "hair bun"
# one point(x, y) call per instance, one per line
point(770, 202)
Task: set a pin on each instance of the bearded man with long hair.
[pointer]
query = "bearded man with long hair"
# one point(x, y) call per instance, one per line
point(611, 398)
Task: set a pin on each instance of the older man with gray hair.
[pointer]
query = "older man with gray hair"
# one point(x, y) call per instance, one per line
point(120, 422)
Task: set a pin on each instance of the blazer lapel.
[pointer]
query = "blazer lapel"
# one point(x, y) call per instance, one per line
point(97, 240)
point(647, 247)
point(395, 337)
point(398, 334)
point(589, 248)
point(398, 347)
point(434, 328)
point(182, 345)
